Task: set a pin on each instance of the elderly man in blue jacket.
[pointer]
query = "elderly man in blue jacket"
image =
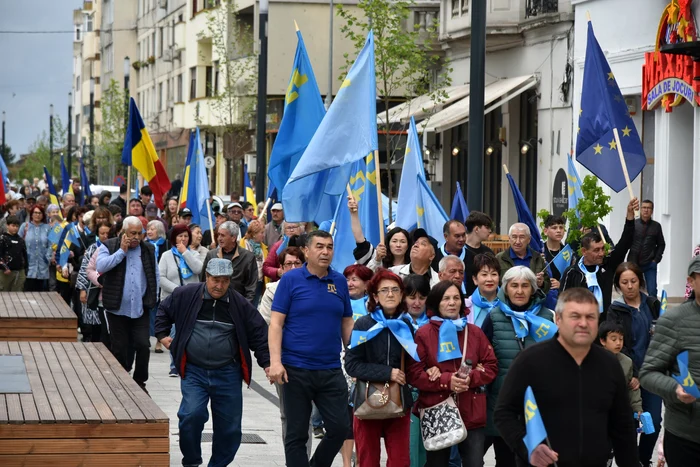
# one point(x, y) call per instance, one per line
point(216, 330)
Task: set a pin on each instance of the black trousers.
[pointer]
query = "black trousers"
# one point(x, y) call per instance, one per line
point(34, 285)
point(65, 290)
point(329, 391)
point(104, 328)
point(123, 330)
point(680, 452)
point(505, 457)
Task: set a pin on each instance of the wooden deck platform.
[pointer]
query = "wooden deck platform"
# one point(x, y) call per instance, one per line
point(83, 410)
point(36, 316)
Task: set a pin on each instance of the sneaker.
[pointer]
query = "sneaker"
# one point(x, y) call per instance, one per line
point(173, 373)
point(319, 433)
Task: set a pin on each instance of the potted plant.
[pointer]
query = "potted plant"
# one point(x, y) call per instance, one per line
point(151, 59)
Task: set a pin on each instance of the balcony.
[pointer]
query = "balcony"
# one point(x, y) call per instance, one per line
point(91, 46)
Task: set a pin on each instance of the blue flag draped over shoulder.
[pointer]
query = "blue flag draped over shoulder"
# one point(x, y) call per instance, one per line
point(303, 112)
point(525, 216)
point(684, 378)
point(603, 109)
point(347, 134)
point(535, 432)
point(406, 216)
point(460, 211)
point(431, 216)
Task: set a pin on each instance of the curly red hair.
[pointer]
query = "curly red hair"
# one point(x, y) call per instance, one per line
point(373, 286)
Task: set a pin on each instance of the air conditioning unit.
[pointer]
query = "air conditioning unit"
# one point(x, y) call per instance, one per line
point(163, 4)
point(168, 55)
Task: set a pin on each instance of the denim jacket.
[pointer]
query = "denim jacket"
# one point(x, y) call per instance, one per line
point(39, 252)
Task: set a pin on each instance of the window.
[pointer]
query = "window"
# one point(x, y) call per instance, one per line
point(215, 88)
point(160, 42)
point(76, 130)
point(77, 84)
point(108, 9)
point(193, 82)
point(153, 44)
point(179, 88)
point(194, 7)
point(78, 34)
point(210, 82)
point(160, 96)
point(88, 23)
point(108, 59)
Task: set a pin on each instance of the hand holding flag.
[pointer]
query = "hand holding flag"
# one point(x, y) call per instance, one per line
point(686, 381)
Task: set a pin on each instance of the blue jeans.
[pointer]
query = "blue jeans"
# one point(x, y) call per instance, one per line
point(455, 458)
point(316, 419)
point(152, 321)
point(172, 335)
point(649, 271)
point(223, 387)
point(650, 403)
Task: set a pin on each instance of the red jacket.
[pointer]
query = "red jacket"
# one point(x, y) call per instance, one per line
point(272, 262)
point(471, 403)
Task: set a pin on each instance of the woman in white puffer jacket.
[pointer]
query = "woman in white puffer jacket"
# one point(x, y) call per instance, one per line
point(179, 265)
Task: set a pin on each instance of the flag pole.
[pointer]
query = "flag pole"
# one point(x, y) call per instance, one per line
point(211, 224)
point(549, 445)
point(380, 209)
point(128, 185)
point(263, 214)
point(624, 167)
point(349, 190)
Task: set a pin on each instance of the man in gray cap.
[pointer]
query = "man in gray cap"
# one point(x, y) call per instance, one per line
point(235, 214)
point(273, 229)
point(677, 331)
point(216, 330)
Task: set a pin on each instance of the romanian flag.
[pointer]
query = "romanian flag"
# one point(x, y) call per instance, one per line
point(140, 152)
point(249, 193)
point(53, 194)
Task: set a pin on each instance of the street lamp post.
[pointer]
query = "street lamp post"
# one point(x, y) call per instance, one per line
point(127, 72)
point(329, 96)
point(3, 135)
point(69, 144)
point(260, 150)
point(51, 138)
point(92, 128)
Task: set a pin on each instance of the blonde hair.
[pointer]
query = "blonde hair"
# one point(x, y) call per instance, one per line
point(254, 228)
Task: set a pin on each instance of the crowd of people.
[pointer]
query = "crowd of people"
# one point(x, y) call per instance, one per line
point(428, 344)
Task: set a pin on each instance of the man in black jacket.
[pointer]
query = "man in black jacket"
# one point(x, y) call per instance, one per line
point(216, 330)
point(580, 391)
point(648, 245)
point(595, 271)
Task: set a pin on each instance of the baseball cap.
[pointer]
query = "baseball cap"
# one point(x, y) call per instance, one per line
point(185, 212)
point(151, 209)
point(694, 266)
point(234, 205)
point(421, 233)
point(277, 207)
point(220, 267)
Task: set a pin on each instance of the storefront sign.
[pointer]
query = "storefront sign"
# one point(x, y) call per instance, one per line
point(667, 78)
point(560, 193)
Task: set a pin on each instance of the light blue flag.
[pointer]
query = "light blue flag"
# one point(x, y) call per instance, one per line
point(664, 302)
point(535, 432)
point(363, 184)
point(349, 130)
point(412, 166)
point(55, 233)
point(303, 112)
point(563, 259)
point(343, 239)
point(575, 192)
point(684, 378)
point(198, 184)
point(430, 214)
point(459, 211)
point(65, 178)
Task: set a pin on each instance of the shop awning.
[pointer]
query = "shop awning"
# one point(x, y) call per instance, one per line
point(495, 95)
point(422, 106)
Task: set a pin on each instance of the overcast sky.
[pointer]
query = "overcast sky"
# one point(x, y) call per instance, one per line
point(35, 69)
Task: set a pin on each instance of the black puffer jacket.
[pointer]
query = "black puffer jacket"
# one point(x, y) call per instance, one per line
point(374, 360)
point(648, 244)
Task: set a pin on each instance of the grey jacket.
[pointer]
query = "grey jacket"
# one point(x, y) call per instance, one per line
point(676, 330)
point(628, 369)
point(170, 271)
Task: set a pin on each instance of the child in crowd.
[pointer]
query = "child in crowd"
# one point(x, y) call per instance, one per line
point(13, 258)
point(554, 229)
point(611, 336)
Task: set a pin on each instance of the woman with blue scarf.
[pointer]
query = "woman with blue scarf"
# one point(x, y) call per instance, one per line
point(377, 350)
point(252, 241)
point(440, 344)
point(155, 235)
point(486, 274)
point(519, 321)
point(358, 277)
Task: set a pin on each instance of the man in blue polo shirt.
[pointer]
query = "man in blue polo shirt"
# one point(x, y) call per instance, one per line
point(311, 316)
point(520, 254)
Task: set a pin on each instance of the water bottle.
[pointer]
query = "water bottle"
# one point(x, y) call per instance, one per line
point(465, 369)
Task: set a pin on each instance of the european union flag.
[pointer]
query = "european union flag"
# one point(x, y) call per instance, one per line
point(412, 167)
point(525, 216)
point(603, 110)
point(563, 259)
point(85, 183)
point(684, 378)
point(347, 134)
point(65, 178)
point(349, 130)
point(664, 302)
point(431, 216)
point(460, 211)
point(535, 432)
point(303, 112)
point(575, 192)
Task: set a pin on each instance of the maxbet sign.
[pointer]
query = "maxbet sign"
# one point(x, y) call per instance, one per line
point(668, 78)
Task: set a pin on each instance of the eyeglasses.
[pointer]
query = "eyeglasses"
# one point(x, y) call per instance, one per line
point(387, 291)
point(291, 264)
point(38, 212)
point(291, 227)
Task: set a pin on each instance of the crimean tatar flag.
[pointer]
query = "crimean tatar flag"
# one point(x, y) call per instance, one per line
point(140, 152)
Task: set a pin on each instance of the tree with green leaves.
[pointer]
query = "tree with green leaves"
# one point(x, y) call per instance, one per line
point(235, 70)
point(40, 155)
point(110, 139)
point(408, 60)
